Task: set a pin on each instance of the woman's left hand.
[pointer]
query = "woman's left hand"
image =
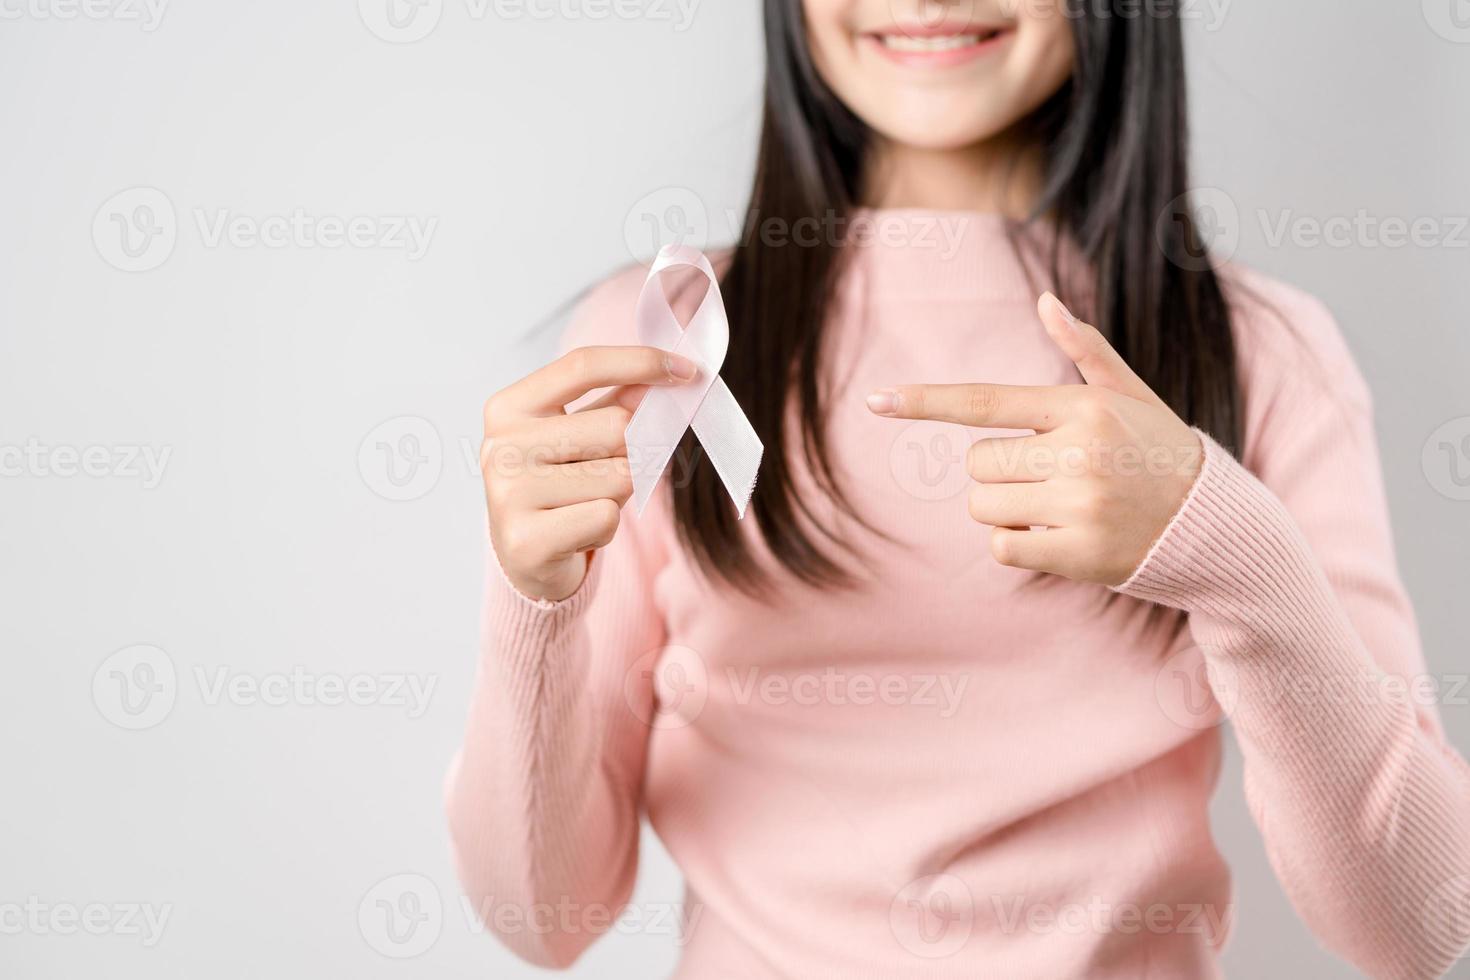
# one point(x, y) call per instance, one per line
point(1107, 468)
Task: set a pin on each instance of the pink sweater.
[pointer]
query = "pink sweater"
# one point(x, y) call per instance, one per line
point(956, 769)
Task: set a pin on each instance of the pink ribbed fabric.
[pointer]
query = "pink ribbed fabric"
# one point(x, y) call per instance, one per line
point(954, 769)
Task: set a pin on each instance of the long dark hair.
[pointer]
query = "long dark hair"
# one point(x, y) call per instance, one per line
point(1115, 162)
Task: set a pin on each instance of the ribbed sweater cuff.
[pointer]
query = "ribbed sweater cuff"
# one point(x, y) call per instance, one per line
point(1235, 553)
point(522, 628)
point(1271, 626)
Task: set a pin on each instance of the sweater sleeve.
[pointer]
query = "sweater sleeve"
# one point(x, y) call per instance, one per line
point(544, 795)
point(1288, 578)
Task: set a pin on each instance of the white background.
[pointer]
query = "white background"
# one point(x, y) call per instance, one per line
point(269, 832)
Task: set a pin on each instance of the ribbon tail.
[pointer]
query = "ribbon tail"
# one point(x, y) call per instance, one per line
point(730, 442)
point(652, 435)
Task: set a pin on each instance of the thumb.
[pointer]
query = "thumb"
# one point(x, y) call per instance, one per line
point(1099, 363)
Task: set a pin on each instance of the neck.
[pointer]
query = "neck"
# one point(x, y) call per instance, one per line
point(1000, 175)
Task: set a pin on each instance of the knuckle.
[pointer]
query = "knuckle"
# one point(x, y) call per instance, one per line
point(491, 412)
point(618, 418)
point(539, 450)
point(502, 459)
point(607, 514)
point(517, 546)
point(1094, 504)
point(1095, 556)
point(981, 401)
point(579, 360)
point(1003, 546)
point(623, 479)
point(497, 493)
point(1094, 407)
point(974, 459)
point(977, 502)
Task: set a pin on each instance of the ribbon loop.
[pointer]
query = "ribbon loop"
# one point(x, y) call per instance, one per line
point(704, 404)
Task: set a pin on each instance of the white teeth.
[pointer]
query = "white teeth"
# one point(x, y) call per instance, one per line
point(946, 42)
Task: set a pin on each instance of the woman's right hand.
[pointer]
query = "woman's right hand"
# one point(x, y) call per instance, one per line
point(555, 483)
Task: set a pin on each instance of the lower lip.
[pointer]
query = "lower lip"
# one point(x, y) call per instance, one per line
point(947, 58)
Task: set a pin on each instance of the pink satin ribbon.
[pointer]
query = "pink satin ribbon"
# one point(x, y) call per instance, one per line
point(705, 404)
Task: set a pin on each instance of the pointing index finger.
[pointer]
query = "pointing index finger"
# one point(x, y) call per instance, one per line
point(981, 405)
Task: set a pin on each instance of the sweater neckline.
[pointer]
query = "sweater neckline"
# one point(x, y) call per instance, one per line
point(928, 254)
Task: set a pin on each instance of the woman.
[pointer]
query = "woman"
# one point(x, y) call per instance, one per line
point(903, 726)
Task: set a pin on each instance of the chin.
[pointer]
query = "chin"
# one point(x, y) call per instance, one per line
point(940, 127)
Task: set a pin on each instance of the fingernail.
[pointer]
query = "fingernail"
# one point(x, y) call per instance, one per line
point(883, 402)
point(680, 368)
point(1062, 309)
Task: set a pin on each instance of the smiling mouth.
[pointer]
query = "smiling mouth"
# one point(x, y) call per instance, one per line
point(938, 47)
point(937, 42)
